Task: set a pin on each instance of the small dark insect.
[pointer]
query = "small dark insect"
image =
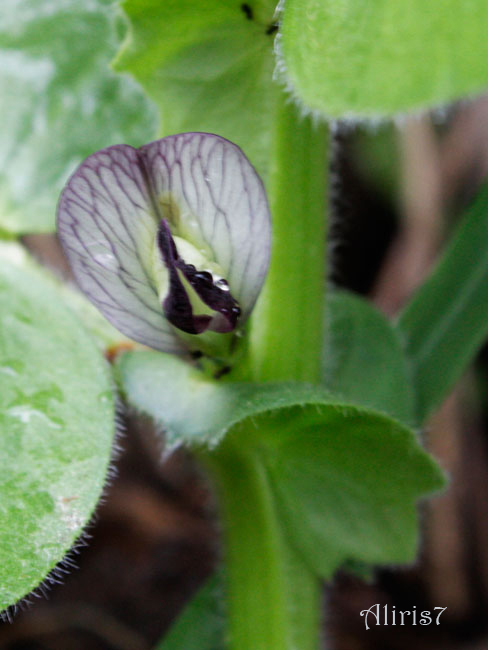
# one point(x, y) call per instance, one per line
point(272, 29)
point(247, 11)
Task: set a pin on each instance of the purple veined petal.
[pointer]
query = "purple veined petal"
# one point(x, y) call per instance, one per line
point(108, 227)
point(214, 202)
point(220, 205)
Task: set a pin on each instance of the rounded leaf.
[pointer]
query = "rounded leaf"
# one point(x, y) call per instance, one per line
point(59, 101)
point(56, 430)
point(373, 59)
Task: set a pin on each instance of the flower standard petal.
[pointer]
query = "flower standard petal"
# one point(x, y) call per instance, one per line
point(107, 226)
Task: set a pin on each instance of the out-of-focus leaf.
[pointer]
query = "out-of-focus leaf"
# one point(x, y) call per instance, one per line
point(209, 67)
point(201, 625)
point(59, 102)
point(56, 429)
point(446, 321)
point(364, 358)
point(376, 58)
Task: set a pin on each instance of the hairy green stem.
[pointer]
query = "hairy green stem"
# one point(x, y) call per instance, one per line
point(287, 328)
point(274, 600)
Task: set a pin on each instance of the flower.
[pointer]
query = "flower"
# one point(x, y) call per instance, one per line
point(170, 241)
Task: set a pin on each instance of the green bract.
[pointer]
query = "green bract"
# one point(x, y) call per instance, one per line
point(333, 465)
point(347, 481)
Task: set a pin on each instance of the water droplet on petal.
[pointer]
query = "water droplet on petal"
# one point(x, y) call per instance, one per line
point(204, 276)
point(106, 259)
point(222, 284)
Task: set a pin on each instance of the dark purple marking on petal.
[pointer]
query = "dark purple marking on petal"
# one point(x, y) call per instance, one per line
point(177, 305)
point(211, 179)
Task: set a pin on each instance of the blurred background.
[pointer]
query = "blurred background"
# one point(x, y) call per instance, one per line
point(397, 192)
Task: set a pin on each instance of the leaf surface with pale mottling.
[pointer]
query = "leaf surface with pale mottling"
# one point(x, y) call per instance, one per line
point(59, 102)
point(56, 429)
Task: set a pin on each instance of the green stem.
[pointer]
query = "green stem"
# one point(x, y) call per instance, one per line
point(287, 328)
point(273, 598)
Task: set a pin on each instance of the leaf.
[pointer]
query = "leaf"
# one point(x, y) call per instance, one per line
point(201, 625)
point(106, 336)
point(59, 102)
point(208, 67)
point(446, 322)
point(347, 482)
point(374, 59)
point(346, 478)
point(194, 409)
point(53, 458)
point(364, 358)
point(375, 155)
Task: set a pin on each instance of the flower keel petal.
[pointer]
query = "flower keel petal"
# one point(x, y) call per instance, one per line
point(211, 196)
point(178, 306)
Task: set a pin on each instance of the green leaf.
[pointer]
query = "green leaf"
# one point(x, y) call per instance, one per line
point(377, 58)
point(347, 482)
point(364, 358)
point(446, 321)
point(201, 626)
point(194, 409)
point(208, 67)
point(56, 430)
point(59, 102)
point(335, 467)
point(104, 334)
